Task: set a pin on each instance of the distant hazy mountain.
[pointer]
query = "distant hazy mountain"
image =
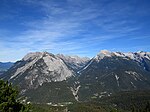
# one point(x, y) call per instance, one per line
point(44, 77)
point(5, 65)
point(74, 62)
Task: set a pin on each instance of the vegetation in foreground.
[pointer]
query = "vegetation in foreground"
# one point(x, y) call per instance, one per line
point(8, 99)
point(122, 102)
point(84, 107)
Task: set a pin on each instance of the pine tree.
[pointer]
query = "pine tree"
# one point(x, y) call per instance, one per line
point(8, 96)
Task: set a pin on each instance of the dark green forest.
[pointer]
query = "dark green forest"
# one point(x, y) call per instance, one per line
point(135, 101)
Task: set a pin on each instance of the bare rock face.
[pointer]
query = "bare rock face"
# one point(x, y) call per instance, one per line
point(111, 72)
point(74, 62)
point(39, 67)
point(74, 78)
point(137, 56)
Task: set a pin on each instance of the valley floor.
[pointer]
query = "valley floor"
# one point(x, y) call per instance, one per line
point(137, 101)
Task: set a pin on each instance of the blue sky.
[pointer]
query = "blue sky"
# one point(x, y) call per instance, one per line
point(81, 27)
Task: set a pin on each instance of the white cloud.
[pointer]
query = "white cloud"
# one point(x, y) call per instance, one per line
point(69, 27)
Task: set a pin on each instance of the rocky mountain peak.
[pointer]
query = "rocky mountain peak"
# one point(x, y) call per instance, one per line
point(39, 67)
point(137, 56)
point(82, 78)
point(74, 62)
point(105, 53)
point(102, 54)
point(36, 55)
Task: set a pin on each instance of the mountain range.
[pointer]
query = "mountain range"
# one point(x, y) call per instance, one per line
point(4, 66)
point(44, 77)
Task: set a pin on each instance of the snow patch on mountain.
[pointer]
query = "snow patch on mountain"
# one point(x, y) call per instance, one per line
point(102, 54)
point(88, 65)
point(133, 85)
point(117, 78)
point(135, 75)
point(137, 56)
point(119, 54)
point(75, 92)
point(85, 66)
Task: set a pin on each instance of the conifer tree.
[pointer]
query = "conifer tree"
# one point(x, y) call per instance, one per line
point(8, 99)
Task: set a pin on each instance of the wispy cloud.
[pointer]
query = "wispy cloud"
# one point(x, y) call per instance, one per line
point(71, 27)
